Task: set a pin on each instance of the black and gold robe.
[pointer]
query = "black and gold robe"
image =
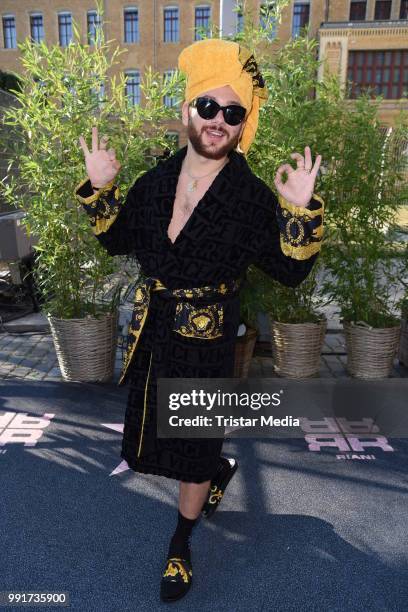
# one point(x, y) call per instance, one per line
point(239, 221)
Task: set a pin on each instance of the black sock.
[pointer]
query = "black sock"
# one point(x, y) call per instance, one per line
point(180, 542)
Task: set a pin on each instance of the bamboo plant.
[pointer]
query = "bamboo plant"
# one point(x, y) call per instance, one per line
point(64, 91)
point(361, 181)
point(368, 187)
point(292, 118)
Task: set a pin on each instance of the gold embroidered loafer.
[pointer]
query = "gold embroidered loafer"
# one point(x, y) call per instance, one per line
point(176, 579)
point(226, 470)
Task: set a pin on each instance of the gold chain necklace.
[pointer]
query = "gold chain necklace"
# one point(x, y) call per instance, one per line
point(192, 185)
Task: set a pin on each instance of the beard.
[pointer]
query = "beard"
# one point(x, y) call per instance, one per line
point(212, 150)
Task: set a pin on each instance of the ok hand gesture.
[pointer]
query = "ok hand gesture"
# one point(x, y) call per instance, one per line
point(299, 186)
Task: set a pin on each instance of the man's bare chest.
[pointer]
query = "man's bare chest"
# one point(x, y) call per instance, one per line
point(184, 205)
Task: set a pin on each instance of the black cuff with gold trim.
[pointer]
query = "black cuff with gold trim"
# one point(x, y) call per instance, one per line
point(301, 227)
point(102, 207)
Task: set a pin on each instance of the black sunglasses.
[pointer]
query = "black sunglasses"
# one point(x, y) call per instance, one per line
point(208, 108)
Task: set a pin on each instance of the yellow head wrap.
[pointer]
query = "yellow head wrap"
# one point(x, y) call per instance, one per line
point(213, 63)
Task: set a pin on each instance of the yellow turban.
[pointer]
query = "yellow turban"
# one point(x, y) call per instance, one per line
point(213, 63)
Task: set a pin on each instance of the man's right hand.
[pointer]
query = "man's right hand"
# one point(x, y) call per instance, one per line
point(101, 164)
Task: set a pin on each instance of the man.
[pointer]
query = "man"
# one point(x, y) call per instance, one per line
point(195, 223)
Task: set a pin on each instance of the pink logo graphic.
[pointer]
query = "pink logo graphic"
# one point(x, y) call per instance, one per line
point(18, 427)
point(347, 436)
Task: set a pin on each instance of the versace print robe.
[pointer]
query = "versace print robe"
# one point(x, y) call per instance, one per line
point(239, 221)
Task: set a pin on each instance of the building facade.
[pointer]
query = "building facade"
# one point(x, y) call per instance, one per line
point(362, 40)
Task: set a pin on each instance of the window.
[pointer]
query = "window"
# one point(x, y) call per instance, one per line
point(171, 24)
point(202, 20)
point(133, 86)
point(64, 29)
point(94, 22)
point(266, 19)
point(169, 100)
point(36, 28)
point(404, 9)
point(358, 10)
point(131, 25)
point(9, 32)
point(385, 72)
point(382, 9)
point(300, 17)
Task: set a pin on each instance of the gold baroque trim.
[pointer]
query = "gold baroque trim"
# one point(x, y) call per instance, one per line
point(102, 224)
point(298, 214)
point(141, 307)
point(176, 566)
point(205, 322)
point(216, 495)
point(300, 227)
point(298, 211)
point(95, 196)
point(300, 252)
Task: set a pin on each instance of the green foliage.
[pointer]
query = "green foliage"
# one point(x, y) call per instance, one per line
point(251, 296)
point(259, 28)
point(61, 99)
point(366, 185)
point(288, 305)
point(404, 306)
point(290, 120)
point(401, 305)
point(362, 180)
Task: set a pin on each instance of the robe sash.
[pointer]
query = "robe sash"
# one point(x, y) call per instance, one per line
point(142, 302)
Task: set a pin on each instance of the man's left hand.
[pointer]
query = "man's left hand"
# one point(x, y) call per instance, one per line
point(299, 186)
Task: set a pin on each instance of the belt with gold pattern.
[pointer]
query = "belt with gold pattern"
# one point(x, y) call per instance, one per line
point(141, 308)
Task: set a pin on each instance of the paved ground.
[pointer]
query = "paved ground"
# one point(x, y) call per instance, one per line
point(297, 530)
point(32, 356)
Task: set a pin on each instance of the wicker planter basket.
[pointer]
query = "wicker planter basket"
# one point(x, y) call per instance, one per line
point(296, 348)
point(370, 350)
point(403, 346)
point(244, 349)
point(86, 348)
